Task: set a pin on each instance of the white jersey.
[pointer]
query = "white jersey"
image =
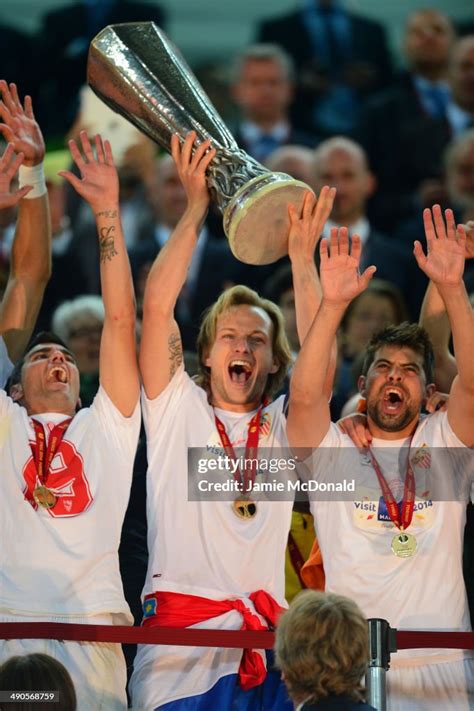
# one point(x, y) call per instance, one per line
point(425, 591)
point(201, 547)
point(61, 564)
point(6, 366)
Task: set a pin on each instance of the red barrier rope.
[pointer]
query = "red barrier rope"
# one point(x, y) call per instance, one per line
point(201, 637)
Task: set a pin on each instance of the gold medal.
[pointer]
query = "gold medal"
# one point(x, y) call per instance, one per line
point(403, 544)
point(244, 508)
point(44, 497)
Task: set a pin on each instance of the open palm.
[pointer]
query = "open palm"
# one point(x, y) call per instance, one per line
point(339, 270)
point(446, 248)
point(19, 125)
point(99, 183)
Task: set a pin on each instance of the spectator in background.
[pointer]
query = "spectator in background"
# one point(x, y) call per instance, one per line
point(38, 672)
point(63, 43)
point(79, 324)
point(342, 163)
point(297, 161)
point(341, 58)
point(405, 129)
point(262, 88)
point(322, 649)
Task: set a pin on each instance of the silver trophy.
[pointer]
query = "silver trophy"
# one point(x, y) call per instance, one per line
point(137, 71)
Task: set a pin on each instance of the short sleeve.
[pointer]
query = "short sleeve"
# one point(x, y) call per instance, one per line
point(160, 414)
point(321, 462)
point(119, 431)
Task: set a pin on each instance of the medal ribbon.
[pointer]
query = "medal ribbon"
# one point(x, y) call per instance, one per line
point(251, 447)
point(44, 455)
point(408, 502)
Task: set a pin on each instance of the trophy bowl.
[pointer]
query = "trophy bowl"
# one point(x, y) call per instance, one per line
point(139, 73)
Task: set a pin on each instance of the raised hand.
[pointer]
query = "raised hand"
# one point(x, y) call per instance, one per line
point(339, 270)
point(9, 165)
point(19, 125)
point(446, 247)
point(99, 183)
point(306, 227)
point(192, 168)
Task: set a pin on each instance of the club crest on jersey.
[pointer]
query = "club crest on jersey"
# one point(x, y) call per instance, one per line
point(265, 424)
point(422, 457)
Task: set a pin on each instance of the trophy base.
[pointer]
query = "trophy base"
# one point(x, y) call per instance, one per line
point(256, 220)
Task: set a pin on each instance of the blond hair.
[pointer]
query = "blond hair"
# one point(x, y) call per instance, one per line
point(322, 646)
point(243, 296)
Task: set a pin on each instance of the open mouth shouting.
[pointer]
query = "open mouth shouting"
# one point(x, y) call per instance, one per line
point(393, 400)
point(58, 374)
point(240, 371)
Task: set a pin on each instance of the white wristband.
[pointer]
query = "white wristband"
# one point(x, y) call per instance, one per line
point(32, 175)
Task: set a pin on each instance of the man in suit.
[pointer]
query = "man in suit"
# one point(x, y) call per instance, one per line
point(405, 129)
point(262, 88)
point(322, 649)
point(341, 58)
point(342, 163)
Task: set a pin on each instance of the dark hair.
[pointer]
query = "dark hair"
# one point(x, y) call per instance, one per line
point(38, 672)
point(410, 335)
point(40, 337)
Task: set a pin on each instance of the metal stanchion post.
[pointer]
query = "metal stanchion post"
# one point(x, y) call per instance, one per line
point(382, 641)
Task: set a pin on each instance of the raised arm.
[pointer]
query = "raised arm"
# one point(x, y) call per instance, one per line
point(444, 266)
point(305, 233)
point(30, 266)
point(99, 186)
point(308, 417)
point(434, 319)
point(161, 349)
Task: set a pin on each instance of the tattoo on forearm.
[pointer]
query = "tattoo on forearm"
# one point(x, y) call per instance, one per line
point(107, 213)
point(175, 351)
point(107, 243)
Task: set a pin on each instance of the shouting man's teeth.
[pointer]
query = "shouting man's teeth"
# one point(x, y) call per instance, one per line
point(58, 374)
point(393, 399)
point(393, 395)
point(240, 371)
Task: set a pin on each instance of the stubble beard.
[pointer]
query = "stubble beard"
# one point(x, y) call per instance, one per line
point(391, 423)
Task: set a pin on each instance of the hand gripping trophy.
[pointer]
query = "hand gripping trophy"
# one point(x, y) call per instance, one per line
point(139, 73)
